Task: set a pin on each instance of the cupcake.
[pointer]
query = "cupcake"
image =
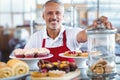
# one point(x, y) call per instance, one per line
point(29, 53)
point(43, 52)
point(19, 53)
point(35, 52)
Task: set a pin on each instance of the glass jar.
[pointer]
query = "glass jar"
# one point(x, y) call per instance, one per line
point(101, 49)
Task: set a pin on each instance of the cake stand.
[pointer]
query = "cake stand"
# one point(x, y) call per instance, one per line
point(32, 62)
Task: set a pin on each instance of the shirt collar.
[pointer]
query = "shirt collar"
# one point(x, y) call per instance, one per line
point(59, 36)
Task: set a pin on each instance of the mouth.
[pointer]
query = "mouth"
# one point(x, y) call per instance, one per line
point(54, 22)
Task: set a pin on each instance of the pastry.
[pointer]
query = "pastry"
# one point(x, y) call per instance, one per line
point(101, 67)
point(19, 53)
point(39, 74)
point(2, 64)
point(5, 70)
point(76, 53)
point(64, 67)
point(55, 65)
point(73, 66)
point(47, 66)
point(19, 67)
point(43, 52)
point(29, 53)
point(60, 65)
point(56, 73)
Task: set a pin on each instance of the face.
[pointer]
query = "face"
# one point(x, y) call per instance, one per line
point(53, 15)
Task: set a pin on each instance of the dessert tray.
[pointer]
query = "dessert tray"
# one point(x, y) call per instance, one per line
point(16, 77)
point(13, 56)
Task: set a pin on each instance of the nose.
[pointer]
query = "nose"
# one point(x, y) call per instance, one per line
point(54, 16)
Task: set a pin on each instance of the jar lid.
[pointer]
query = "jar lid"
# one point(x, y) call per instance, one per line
point(101, 31)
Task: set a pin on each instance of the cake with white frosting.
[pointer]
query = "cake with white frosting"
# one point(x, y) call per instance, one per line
point(19, 53)
point(43, 52)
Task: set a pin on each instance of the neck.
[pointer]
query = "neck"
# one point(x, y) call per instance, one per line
point(53, 33)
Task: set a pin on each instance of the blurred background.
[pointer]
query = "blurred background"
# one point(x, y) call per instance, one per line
point(21, 18)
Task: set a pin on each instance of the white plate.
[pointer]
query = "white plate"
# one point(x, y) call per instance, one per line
point(62, 55)
point(49, 56)
point(16, 77)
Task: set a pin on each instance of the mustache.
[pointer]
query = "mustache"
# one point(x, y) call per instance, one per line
point(52, 20)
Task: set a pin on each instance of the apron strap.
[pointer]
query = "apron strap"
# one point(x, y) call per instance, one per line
point(64, 38)
point(43, 43)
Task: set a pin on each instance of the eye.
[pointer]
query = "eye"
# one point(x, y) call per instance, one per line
point(58, 13)
point(49, 13)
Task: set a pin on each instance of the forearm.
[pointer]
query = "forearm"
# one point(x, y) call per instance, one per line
point(82, 36)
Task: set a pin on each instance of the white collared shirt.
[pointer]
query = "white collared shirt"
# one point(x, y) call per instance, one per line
point(36, 39)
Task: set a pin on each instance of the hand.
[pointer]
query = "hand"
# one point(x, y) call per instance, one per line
point(103, 20)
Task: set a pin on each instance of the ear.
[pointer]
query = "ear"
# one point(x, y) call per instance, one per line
point(43, 16)
point(63, 17)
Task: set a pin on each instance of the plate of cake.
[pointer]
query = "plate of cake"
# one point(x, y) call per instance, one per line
point(74, 54)
point(78, 54)
point(80, 57)
point(31, 54)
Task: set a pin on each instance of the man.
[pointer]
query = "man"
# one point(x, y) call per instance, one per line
point(55, 36)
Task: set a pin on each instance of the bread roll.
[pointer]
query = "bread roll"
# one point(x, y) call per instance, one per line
point(5, 70)
point(19, 67)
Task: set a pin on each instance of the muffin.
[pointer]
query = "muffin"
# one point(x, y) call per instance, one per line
point(19, 53)
point(35, 52)
point(43, 52)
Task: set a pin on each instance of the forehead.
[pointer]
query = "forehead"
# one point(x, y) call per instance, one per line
point(53, 7)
